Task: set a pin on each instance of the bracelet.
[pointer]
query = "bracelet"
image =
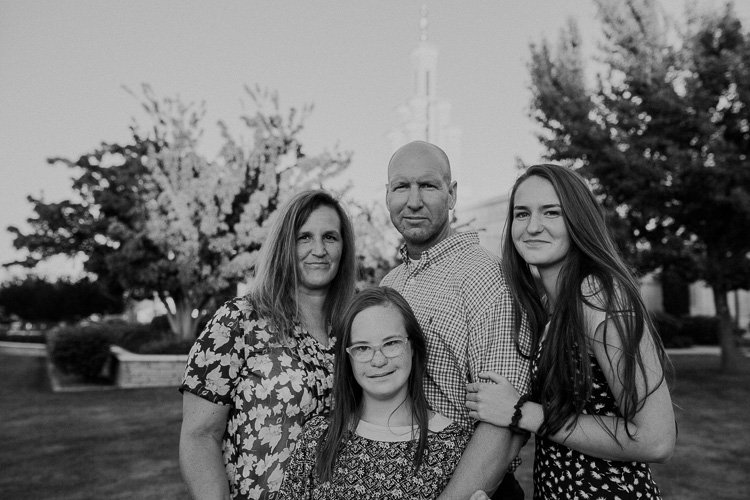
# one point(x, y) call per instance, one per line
point(514, 421)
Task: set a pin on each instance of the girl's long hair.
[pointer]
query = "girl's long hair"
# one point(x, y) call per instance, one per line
point(593, 273)
point(347, 393)
point(274, 291)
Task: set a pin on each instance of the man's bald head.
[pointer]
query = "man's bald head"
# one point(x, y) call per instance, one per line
point(422, 151)
point(420, 195)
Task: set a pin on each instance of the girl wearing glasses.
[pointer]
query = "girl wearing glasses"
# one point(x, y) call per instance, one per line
point(381, 440)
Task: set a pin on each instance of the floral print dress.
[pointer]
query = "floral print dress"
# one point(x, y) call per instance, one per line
point(271, 389)
point(561, 472)
point(373, 468)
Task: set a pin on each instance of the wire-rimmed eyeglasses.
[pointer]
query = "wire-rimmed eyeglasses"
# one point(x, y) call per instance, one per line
point(391, 348)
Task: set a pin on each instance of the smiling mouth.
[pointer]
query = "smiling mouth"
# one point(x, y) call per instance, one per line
point(380, 375)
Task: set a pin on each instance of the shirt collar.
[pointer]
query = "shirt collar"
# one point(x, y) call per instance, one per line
point(443, 249)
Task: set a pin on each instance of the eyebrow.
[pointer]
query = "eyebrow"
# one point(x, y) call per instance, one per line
point(390, 337)
point(549, 205)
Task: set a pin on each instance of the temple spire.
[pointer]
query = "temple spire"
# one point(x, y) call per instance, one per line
point(423, 23)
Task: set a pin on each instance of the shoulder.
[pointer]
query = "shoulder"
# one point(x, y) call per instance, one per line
point(235, 309)
point(478, 275)
point(237, 317)
point(315, 427)
point(391, 278)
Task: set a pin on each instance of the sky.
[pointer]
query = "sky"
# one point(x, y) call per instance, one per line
point(63, 66)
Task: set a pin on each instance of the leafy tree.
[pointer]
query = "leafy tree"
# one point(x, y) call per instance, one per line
point(663, 134)
point(37, 300)
point(156, 217)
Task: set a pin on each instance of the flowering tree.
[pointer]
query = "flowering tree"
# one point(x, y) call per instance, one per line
point(376, 240)
point(164, 220)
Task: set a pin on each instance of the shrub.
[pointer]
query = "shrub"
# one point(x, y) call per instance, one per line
point(161, 323)
point(669, 329)
point(35, 336)
point(166, 346)
point(703, 330)
point(81, 351)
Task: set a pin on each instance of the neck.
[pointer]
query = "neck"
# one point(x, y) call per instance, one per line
point(394, 412)
point(549, 282)
point(311, 309)
point(414, 250)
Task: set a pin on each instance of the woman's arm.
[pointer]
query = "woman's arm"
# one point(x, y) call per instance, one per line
point(201, 463)
point(652, 428)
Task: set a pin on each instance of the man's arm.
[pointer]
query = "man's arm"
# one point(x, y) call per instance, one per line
point(483, 463)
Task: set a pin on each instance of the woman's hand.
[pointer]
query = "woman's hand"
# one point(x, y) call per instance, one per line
point(491, 403)
point(479, 495)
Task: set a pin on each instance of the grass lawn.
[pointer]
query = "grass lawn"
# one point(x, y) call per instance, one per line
point(122, 444)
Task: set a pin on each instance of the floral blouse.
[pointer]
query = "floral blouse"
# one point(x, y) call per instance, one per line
point(374, 469)
point(271, 389)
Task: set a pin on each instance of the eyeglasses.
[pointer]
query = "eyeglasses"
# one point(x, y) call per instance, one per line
point(391, 348)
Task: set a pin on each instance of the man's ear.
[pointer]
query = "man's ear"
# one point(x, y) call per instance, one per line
point(453, 192)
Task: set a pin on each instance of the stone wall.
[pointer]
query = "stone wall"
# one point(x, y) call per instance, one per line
point(147, 370)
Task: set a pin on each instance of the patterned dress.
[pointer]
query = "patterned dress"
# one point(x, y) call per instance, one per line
point(560, 472)
point(374, 469)
point(272, 390)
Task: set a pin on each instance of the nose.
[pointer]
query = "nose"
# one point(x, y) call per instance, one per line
point(319, 248)
point(415, 198)
point(378, 358)
point(535, 225)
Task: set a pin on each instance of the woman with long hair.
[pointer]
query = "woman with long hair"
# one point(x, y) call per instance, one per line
point(263, 364)
point(599, 406)
point(381, 440)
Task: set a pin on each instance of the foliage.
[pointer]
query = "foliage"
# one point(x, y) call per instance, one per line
point(34, 337)
point(80, 351)
point(663, 134)
point(156, 217)
point(37, 300)
point(702, 330)
point(669, 329)
point(376, 241)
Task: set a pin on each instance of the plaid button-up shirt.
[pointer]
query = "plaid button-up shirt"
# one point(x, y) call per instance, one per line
point(459, 295)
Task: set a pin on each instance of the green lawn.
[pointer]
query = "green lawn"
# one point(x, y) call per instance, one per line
point(122, 444)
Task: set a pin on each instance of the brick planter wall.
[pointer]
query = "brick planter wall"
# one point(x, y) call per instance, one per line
point(34, 349)
point(147, 370)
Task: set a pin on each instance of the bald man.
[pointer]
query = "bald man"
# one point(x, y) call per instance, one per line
point(459, 295)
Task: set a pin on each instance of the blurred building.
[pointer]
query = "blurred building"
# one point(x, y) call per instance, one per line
point(424, 116)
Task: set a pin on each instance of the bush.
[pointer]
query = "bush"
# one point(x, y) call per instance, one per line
point(35, 336)
point(161, 323)
point(702, 330)
point(81, 351)
point(669, 329)
point(166, 346)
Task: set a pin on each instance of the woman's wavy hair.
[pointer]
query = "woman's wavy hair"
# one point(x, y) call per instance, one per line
point(563, 380)
point(347, 393)
point(274, 291)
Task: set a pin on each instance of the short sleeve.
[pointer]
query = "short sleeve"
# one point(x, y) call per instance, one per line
point(492, 345)
point(216, 358)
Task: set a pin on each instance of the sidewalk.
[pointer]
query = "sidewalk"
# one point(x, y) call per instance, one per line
point(712, 350)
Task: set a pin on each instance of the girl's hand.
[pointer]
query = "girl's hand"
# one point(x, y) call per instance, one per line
point(479, 495)
point(491, 403)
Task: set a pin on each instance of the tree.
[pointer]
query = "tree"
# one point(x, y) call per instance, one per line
point(37, 300)
point(155, 217)
point(663, 134)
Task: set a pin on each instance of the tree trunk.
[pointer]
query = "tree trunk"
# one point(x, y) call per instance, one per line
point(181, 321)
point(731, 357)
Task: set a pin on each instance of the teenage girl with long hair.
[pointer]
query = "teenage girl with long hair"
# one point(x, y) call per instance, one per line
point(599, 406)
